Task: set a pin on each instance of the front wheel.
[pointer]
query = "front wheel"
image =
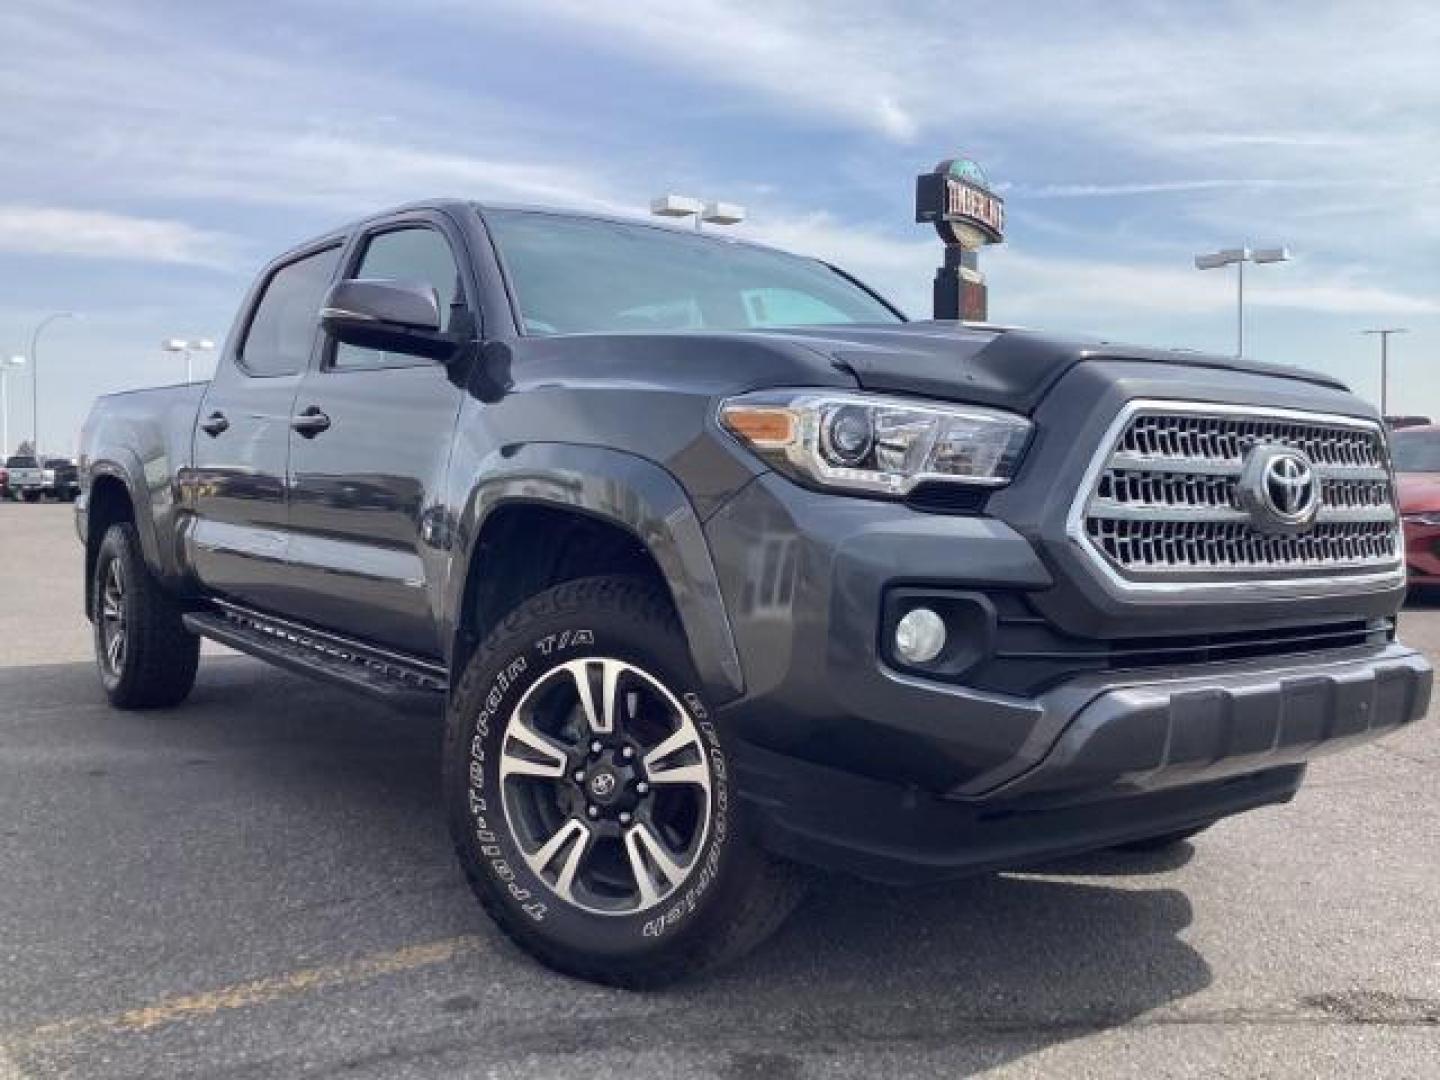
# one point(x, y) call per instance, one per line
point(589, 793)
point(147, 658)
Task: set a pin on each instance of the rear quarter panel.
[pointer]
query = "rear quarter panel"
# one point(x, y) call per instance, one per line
point(143, 438)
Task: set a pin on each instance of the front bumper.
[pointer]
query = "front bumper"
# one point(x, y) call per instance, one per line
point(1112, 760)
point(1169, 730)
point(847, 761)
point(874, 830)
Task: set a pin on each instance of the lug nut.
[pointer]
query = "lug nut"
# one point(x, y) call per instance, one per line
point(625, 818)
point(596, 746)
point(642, 787)
point(628, 753)
point(592, 811)
point(578, 776)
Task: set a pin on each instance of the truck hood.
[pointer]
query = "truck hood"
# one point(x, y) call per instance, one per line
point(1011, 369)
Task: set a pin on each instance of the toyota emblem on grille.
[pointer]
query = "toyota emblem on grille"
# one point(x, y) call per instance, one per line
point(1279, 488)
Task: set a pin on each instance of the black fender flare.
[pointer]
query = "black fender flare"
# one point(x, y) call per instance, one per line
point(129, 474)
point(625, 490)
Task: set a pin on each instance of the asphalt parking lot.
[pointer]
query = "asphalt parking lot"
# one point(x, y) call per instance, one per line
point(260, 884)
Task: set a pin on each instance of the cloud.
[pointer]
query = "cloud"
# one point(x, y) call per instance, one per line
point(836, 61)
point(303, 133)
point(53, 230)
point(1038, 287)
point(1154, 187)
point(1242, 108)
point(348, 175)
point(1060, 290)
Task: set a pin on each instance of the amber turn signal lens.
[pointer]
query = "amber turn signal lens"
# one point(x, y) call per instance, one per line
point(760, 426)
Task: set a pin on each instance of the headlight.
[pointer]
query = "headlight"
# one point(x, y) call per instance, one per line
point(880, 445)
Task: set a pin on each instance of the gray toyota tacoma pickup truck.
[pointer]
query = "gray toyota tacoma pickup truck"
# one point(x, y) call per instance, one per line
point(717, 565)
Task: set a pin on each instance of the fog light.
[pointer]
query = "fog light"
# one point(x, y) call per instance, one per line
point(919, 636)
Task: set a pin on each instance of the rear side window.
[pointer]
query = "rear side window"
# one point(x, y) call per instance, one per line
point(412, 255)
point(283, 327)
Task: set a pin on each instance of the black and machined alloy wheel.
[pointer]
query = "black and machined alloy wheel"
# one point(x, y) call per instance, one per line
point(147, 659)
point(589, 796)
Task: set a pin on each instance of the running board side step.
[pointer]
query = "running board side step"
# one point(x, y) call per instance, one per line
point(402, 682)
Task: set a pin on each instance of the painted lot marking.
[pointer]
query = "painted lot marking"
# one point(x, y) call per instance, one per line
point(243, 995)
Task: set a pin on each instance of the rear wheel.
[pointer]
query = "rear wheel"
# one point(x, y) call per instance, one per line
point(147, 658)
point(30, 496)
point(589, 794)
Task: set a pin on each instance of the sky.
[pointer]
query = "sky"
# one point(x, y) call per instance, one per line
point(154, 155)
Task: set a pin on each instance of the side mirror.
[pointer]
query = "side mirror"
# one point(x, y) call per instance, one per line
point(396, 316)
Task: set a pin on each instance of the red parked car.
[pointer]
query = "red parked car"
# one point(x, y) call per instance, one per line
point(1416, 453)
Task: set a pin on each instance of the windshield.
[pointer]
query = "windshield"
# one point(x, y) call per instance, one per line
point(1415, 451)
point(582, 275)
point(20, 463)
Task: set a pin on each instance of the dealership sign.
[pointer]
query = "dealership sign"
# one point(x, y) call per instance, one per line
point(957, 199)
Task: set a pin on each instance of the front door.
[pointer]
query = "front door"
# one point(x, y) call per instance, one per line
point(368, 551)
point(237, 536)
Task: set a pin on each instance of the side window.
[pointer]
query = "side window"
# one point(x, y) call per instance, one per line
point(282, 329)
point(413, 254)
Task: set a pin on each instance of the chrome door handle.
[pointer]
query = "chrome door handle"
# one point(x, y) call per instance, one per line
point(311, 422)
point(214, 424)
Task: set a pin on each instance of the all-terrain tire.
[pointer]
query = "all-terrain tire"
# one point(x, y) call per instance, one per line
point(733, 895)
point(154, 666)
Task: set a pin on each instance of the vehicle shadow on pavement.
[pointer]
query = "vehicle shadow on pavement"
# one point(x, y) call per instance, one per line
point(289, 806)
point(1008, 963)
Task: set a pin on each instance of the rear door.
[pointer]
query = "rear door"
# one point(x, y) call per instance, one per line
point(237, 542)
point(369, 548)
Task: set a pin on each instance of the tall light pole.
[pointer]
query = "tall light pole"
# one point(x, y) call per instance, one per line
point(180, 345)
point(1384, 336)
point(35, 376)
point(683, 206)
point(1239, 257)
point(6, 366)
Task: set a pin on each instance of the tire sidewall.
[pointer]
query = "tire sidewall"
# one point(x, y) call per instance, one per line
point(497, 679)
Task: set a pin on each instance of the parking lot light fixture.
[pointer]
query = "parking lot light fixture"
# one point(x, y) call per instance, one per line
point(1384, 336)
point(35, 374)
point(723, 213)
point(1238, 257)
point(683, 206)
point(7, 366)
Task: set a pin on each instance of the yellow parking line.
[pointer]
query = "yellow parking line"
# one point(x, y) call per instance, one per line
point(247, 994)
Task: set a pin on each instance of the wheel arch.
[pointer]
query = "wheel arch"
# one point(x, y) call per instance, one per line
point(580, 511)
point(108, 501)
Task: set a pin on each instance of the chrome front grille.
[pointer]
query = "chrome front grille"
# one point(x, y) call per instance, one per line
point(1164, 502)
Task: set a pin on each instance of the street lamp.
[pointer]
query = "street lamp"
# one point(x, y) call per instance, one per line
point(6, 366)
point(683, 206)
point(180, 345)
point(1239, 257)
point(35, 376)
point(1384, 336)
